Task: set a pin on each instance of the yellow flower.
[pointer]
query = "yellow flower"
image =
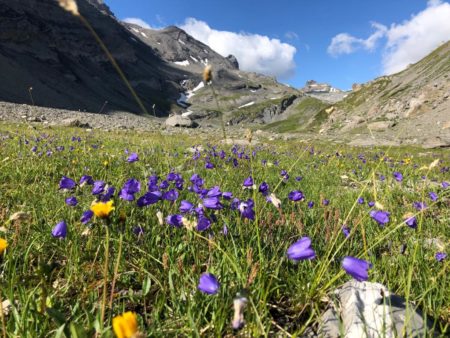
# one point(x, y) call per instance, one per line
point(125, 325)
point(101, 209)
point(3, 245)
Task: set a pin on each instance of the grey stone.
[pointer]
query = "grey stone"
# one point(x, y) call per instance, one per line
point(365, 309)
point(179, 121)
point(74, 122)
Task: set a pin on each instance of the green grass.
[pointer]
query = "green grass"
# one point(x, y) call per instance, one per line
point(305, 113)
point(82, 282)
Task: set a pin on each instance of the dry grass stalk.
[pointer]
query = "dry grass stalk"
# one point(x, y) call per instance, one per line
point(70, 6)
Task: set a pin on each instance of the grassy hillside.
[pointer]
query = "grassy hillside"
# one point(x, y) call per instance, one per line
point(306, 115)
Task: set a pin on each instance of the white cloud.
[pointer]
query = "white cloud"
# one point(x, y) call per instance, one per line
point(344, 43)
point(412, 40)
point(407, 42)
point(138, 21)
point(256, 53)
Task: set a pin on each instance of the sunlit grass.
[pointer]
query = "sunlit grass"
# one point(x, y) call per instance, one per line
point(84, 280)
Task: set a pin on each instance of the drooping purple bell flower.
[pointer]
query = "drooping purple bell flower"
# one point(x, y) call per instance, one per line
point(398, 176)
point(203, 223)
point(212, 203)
point(301, 250)
point(361, 200)
point(296, 195)
point(411, 222)
point(149, 198)
point(433, 196)
point(87, 216)
point(208, 284)
point(133, 158)
point(99, 187)
point(175, 220)
point(248, 182)
point(71, 201)
point(86, 179)
point(170, 195)
point(264, 188)
point(246, 209)
point(186, 206)
point(440, 256)
point(60, 230)
point(310, 204)
point(357, 268)
point(381, 217)
point(67, 183)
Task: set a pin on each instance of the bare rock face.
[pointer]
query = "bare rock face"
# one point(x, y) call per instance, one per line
point(365, 309)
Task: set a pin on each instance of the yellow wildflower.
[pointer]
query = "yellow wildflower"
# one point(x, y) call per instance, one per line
point(125, 325)
point(3, 245)
point(101, 209)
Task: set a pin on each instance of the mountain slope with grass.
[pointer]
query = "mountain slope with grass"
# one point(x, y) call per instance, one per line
point(410, 107)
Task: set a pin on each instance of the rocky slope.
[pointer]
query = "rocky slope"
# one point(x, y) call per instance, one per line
point(410, 107)
point(49, 58)
point(243, 97)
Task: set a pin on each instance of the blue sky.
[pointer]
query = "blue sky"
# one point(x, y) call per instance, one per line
point(340, 42)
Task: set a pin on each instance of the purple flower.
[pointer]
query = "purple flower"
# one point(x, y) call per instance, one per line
point(138, 231)
point(175, 220)
point(325, 202)
point(186, 207)
point(99, 187)
point(371, 204)
point(170, 195)
point(298, 178)
point(208, 284)
point(150, 197)
point(214, 192)
point(60, 230)
point(227, 195)
point(133, 158)
point(382, 177)
point(445, 185)
point(398, 176)
point(301, 250)
point(263, 188)
point(131, 187)
point(86, 179)
point(345, 231)
point(246, 209)
point(433, 196)
point(420, 205)
point(164, 184)
point(382, 217)
point(212, 203)
point(87, 216)
point(209, 165)
point(296, 195)
point(248, 182)
point(357, 268)
point(196, 180)
point(440, 256)
point(203, 223)
point(310, 204)
point(361, 200)
point(67, 183)
point(71, 201)
point(108, 194)
point(411, 222)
